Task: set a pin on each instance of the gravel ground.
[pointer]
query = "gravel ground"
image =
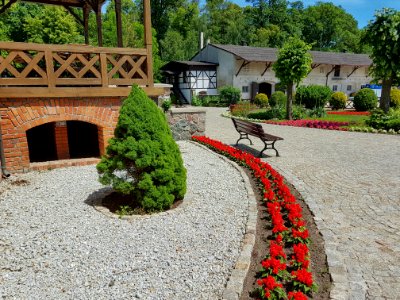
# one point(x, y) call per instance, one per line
point(55, 245)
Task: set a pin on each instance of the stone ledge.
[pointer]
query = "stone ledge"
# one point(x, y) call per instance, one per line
point(189, 110)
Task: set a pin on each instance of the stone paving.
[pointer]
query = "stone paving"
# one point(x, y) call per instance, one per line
point(351, 182)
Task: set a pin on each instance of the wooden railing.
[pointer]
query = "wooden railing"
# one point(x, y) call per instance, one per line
point(52, 66)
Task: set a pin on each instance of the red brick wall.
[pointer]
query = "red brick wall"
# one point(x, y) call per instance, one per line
point(19, 114)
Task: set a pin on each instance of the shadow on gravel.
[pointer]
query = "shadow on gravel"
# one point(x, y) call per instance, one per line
point(96, 198)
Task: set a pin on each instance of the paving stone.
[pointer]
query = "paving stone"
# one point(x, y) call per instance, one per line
point(351, 182)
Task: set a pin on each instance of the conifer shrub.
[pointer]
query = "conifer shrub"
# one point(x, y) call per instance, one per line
point(365, 99)
point(338, 100)
point(143, 160)
point(261, 100)
point(395, 98)
point(278, 98)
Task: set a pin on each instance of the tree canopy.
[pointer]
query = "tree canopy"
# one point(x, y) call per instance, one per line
point(383, 35)
point(292, 66)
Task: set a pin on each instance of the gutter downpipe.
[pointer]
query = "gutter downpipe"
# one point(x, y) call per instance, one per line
point(4, 172)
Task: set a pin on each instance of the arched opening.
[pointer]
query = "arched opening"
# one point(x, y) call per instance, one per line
point(83, 139)
point(265, 88)
point(41, 143)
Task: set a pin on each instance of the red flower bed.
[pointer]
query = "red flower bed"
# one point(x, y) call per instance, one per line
point(351, 113)
point(280, 277)
point(311, 124)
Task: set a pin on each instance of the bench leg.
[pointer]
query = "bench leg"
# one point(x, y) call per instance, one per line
point(244, 136)
point(266, 147)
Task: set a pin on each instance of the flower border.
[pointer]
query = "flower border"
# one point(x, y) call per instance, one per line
point(282, 275)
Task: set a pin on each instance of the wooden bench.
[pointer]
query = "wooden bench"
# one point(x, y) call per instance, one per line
point(246, 128)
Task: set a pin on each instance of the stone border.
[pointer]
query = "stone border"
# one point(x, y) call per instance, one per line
point(234, 286)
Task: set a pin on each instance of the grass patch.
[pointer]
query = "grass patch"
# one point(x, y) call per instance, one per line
point(353, 120)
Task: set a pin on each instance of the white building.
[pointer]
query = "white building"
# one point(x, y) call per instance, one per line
point(250, 69)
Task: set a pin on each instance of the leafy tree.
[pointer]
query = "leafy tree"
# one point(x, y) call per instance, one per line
point(3, 32)
point(329, 27)
point(293, 64)
point(142, 159)
point(52, 26)
point(383, 36)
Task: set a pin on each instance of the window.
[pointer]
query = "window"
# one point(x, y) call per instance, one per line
point(334, 88)
point(349, 87)
point(337, 71)
point(245, 89)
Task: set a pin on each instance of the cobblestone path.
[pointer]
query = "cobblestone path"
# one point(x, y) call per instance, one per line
point(351, 181)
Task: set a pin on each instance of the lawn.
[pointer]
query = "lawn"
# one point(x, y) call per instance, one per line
point(353, 120)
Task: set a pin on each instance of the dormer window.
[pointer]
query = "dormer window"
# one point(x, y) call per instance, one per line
point(337, 71)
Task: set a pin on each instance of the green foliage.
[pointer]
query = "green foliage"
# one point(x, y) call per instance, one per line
point(142, 159)
point(365, 99)
point(229, 94)
point(395, 98)
point(278, 98)
point(261, 100)
point(383, 36)
point(313, 96)
point(52, 26)
point(380, 120)
point(338, 100)
point(330, 27)
point(277, 113)
point(242, 109)
point(166, 105)
point(196, 101)
point(317, 112)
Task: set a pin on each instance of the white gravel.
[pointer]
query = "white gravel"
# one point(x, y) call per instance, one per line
point(55, 245)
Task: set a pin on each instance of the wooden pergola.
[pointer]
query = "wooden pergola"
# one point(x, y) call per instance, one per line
point(92, 5)
point(58, 69)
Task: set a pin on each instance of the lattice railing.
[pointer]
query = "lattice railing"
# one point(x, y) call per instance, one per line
point(26, 64)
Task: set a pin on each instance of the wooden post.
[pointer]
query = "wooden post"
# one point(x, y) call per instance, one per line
point(148, 41)
point(86, 12)
point(51, 81)
point(99, 24)
point(119, 22)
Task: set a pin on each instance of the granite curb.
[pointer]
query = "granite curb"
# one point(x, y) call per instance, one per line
point(235, 283)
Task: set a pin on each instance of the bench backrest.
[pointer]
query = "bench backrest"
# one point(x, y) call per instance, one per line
point(248, 127)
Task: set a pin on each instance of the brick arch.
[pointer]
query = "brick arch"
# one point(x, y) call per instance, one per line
point(20, 115)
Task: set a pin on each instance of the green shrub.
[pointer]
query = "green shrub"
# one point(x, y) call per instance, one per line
point(365, 99)
point(142, 159)
point(380, 120)
point(166, 105)
point(278, 98)
point(229, 94)
point(395, 98)
point(313, 96)
point(196, 101)
point(275, 112)
point(338, 100)
point(318, 112)
point(261, 100)
point(298, 112)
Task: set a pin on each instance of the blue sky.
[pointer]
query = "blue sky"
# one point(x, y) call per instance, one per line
point(362, 10)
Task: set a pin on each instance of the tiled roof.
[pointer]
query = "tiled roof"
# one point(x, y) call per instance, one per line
point(270, 55)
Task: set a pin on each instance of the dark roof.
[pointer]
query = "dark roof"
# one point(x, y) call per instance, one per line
point(174, 67)
point(270, 55)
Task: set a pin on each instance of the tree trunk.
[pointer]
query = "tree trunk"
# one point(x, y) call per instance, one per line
point(289, 103)
point(385, 96)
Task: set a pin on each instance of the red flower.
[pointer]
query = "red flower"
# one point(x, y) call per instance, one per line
point(276, 250)
point(303, 276)
point(275, 264)
point(297, 296)
point(301, 233)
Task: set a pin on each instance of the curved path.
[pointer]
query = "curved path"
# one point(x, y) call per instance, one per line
point(351, 181)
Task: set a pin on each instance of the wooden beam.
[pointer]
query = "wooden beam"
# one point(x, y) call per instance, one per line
point(5, 7)
point(77, 92)
point(99, 24)
point(75, 3)
point(354, 69)
point(86, 13)
point(267, 66)
point(148, 40)
point(119, 22)
point(244, 63)
point(70, 48)
point(74, 14)
point(327, 75)
point(313, 66)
